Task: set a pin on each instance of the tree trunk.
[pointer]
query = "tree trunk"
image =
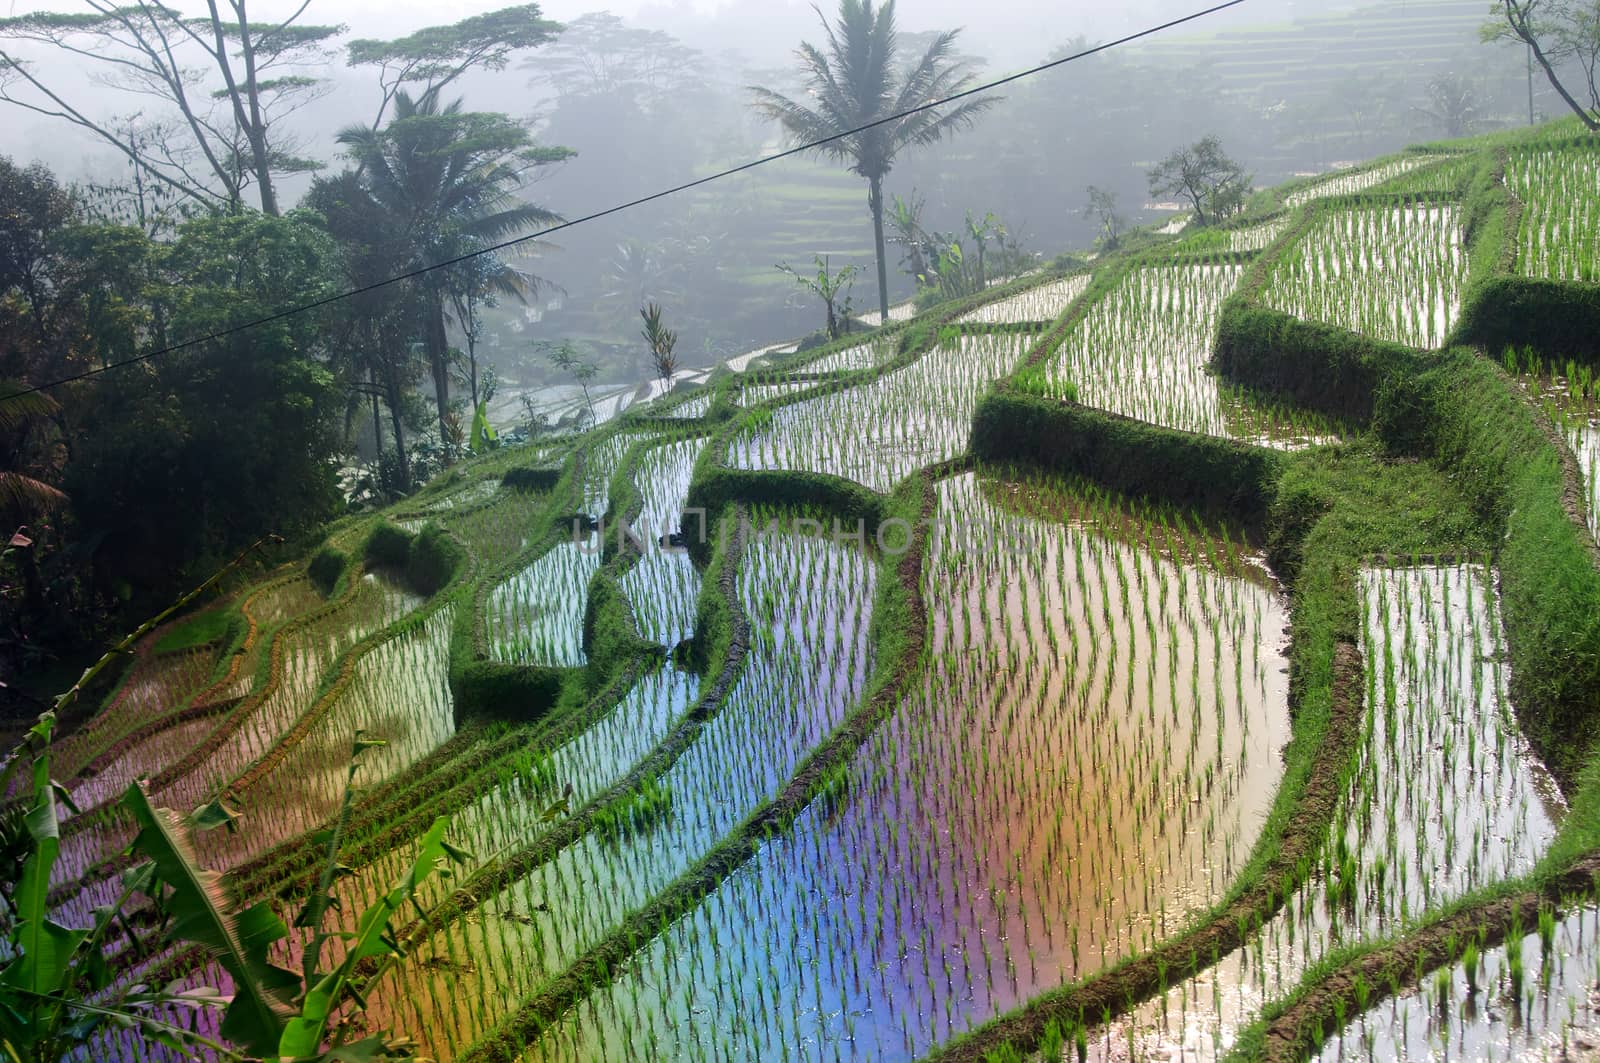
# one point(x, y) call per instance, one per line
point(400, 443)
point(377, 421)
point(875, 202)
point(250, 124)
point(439, 361)
point(1520, 26)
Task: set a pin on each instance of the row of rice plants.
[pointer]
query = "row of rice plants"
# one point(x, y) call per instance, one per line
point(305, 655)
point(663, 584)
point(1447, 798)
point(1088, 755)
point(1536, 997)
point(1256, 237)
point(1448, 175)
point(502, 529)
point(1570, 395)
point(1143, 351)
point(157, 684)
point(1349, 182)
point(1560, 192)
point(695, 407)
point(1390, 273)
point(1044, 303)
point(160, 683)
point(536, 616)
point(474, 493)
point(898, 312)
point(756, 394)
point(875, 351)
point(398, 694)
point(810, 603)
point(881, 432)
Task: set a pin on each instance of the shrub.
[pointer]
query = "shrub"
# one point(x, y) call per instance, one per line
point(433, 560)
point(327, 567)
point(388, 544)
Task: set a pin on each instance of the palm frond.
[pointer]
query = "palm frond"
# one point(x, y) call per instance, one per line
point(23, 497)
point(17, 411)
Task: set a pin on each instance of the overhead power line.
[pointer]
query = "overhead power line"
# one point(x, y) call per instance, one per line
point(799, 149)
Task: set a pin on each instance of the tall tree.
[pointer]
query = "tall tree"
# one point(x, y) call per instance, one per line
point(858, 80)
point(1556, 32)
point(598, 54)
point(374, 330)
point(424, 63)
point(1203, 174)
point(451, 177)
point(479, 283)
point(225, 81)
point(180, 462)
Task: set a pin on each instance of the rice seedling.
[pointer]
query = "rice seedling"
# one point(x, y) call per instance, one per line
point(880, 432)
point(1560, 191)
point(1044, 303)
point(1144, 351)
point(1089, 748)
point(1392, 273)
point(1570, 395)
point(1256, 237)
point(663, 584)
point(875, 351)
point(1447, 798)
point(756, 394)
point(1551, 1015)
point(1349, 182)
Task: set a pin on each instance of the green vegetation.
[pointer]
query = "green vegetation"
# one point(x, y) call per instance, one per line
point(207, 629)
point(1185, 632)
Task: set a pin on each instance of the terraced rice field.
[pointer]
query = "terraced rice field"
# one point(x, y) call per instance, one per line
point(787, 793)
point(1144, 349)
point(1560, 193)
point(1388, 273)
point(1532, 998)
point(1043, 303)
point(1447, 798)
point(881, 432)
point(1361, 180)
point(1004, 831)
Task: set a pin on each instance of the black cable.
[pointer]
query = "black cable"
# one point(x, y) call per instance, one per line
point(620, 207)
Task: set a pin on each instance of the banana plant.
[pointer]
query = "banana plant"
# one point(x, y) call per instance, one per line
point(58, 993)
point(60, 996)
point(276, 1013)
point(484, 437)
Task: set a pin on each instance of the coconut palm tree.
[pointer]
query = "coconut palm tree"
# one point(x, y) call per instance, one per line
point(856, 81)
point(450, 178)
